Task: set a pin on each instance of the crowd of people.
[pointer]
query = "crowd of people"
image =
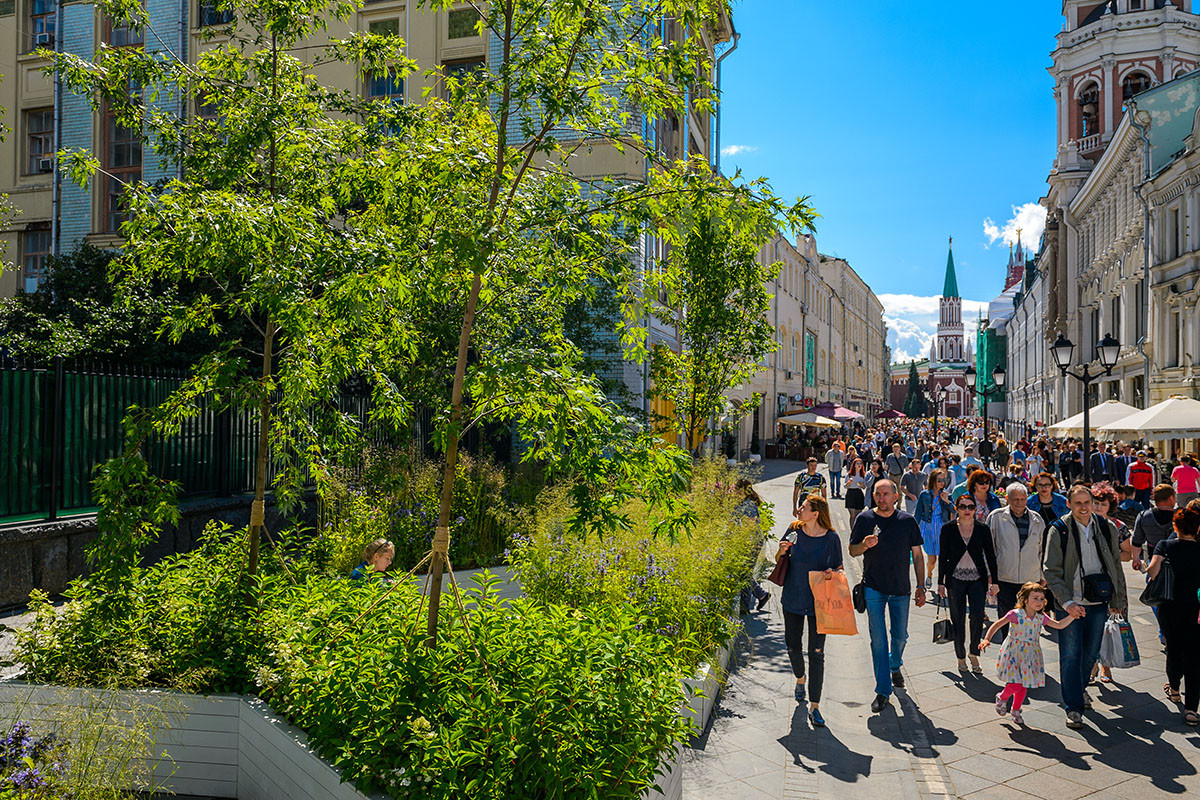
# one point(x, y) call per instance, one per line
point(1009, 523)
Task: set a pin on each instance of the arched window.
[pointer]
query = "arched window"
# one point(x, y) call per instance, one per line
point(1089, 110)
point(1134, 83)
point(795, 353)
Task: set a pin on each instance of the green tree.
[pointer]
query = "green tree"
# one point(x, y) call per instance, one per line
point(714, 293)
point(431, 250)
point(914, 401)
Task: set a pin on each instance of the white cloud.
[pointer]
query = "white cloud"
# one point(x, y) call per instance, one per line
point(1030, 219)
point(738, 149)
point(912, 322)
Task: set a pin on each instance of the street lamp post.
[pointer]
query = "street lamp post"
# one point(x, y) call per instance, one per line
point(1108, 349)
point(998, 377)
point(934, 395)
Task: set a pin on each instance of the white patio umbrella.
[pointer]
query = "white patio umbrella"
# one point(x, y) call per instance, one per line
point(1101, 414)
point(808, 418)
point(1177, 417)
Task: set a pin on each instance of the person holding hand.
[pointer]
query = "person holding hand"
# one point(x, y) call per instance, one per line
point(888, 539)
point(1082, 569)
point(967, 576)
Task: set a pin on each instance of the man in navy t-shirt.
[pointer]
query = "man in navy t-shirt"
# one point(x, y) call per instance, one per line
point(886, 538)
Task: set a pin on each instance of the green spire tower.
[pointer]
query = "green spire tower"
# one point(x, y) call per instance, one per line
point(951, 287)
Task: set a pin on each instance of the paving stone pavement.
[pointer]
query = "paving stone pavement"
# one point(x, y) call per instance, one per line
point(941, 736)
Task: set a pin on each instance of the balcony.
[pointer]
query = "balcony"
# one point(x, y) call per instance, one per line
point(1089, 144)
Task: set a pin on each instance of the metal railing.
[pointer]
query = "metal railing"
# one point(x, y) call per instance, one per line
point(59, 420)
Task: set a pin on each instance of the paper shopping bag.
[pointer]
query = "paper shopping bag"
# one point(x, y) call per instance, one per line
point(835, 608)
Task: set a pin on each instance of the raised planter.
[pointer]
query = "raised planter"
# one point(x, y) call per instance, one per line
point(220, 746)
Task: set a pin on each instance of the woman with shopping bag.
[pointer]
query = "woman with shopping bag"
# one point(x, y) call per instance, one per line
point(816, 548)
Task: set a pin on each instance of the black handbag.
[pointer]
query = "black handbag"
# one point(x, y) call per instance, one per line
point(1162, 588)
point(943, 629)
point(859, 595)
point(1098, 586)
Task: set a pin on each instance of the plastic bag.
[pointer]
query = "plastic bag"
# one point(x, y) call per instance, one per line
point(1118, 649)
point(835, 609)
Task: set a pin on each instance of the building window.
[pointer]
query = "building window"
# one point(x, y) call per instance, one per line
point(1136, 5)
point(463, 23)
point(795, 367)
point(1137, 390)
point(460, 70)
point(35, 250)
point(39, 140)
point(1089, 110)
point(1114, 321)
point(42, 15)
point(209, 13)
point(123, 165)
point(1139, 310)
point(810, 359)
point(1134, 83)
point(122, 34)
point(388, 87)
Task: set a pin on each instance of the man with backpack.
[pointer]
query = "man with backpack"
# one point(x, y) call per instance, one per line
point(1083, 569)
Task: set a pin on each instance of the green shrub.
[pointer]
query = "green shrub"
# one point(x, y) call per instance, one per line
point(395, 495)
point(684, 588)
point(183, 623)
point(531, 701)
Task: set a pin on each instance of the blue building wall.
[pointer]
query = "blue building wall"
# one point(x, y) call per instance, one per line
point(78, 36)
point(165, 18)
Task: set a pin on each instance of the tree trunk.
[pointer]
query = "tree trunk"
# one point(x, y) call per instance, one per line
point(441, 538)
point(257, 509)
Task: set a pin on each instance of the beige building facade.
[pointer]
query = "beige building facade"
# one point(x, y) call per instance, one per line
point(830, 336)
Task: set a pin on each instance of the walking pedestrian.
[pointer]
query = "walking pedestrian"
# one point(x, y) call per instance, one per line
point(1140, 476)
point(808, 482)
point(934, 509)
point(1002, 454)
point(912, 483)
point(815, 548)
point(753, 595)
point(966, 576)
point(856, 488)
point(1151, 527)
point(1083, 569)
point(979, 487)
point(1019, 536)
point(1104, 502)
point(1021, 665)
point(1187, 481)
point(1178, 616)
point(1070, 464)
point(895, 463)
point(1048, 502)
point(888, 539)
point(834, 460)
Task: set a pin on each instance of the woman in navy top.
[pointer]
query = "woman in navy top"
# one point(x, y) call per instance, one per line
point(812, 547)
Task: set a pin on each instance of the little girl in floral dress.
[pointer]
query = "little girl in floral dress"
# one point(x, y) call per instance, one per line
point(1021, 665)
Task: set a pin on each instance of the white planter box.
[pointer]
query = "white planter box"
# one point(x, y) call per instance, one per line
point(218, 746)
point(702, 699)
point(755, 458)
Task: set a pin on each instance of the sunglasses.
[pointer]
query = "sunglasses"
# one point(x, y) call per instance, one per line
point(965, 507)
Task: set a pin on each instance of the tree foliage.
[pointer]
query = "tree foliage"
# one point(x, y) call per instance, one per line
point(712, 288)
point(914, 401)
point(431, 251)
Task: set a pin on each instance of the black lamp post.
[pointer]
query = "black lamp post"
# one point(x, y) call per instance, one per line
point(998, 377)
point(1108, 349)
point(934, 395)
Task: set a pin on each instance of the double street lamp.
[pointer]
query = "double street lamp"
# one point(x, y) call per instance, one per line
point(935, 393)
point(1108, 349)
point(998, 378)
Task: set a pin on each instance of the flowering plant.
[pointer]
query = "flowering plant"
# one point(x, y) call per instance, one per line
point(31, 768)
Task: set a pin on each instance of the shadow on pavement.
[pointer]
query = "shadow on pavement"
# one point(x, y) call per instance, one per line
point(820, 750)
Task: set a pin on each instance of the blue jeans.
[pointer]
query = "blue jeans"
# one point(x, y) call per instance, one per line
point(1078, 649)
point(883, 660)
point(835, 482)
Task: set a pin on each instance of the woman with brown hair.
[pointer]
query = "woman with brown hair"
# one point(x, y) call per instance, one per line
point(1178, 616)
point(967, 575)
point(812, 546)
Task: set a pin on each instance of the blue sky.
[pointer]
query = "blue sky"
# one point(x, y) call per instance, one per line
point(907, 123)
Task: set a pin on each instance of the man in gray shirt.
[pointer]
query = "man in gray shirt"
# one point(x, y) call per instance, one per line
point(912, 484)
point(894, 464)
point(834, 459)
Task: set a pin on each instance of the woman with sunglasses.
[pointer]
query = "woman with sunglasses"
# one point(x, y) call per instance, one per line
point(967, 575)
